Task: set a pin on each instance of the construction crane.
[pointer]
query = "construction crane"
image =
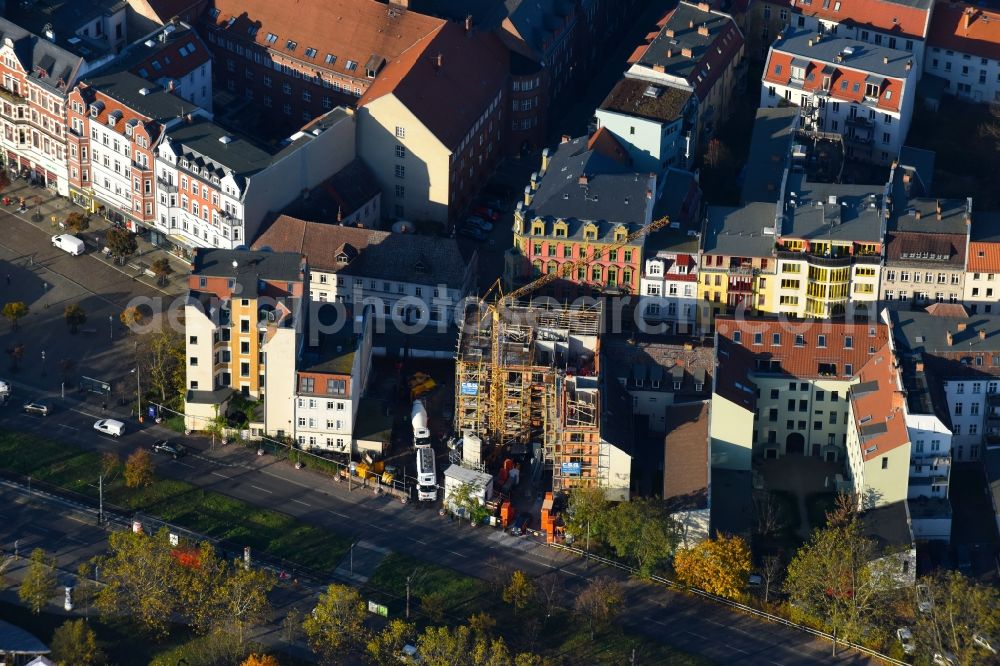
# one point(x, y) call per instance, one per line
point(503, 301)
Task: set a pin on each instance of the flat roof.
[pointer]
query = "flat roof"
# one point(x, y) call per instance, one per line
point(769, 151)
point(834, 211)
point(635, 97)
point(857, 55)
point(739, 232)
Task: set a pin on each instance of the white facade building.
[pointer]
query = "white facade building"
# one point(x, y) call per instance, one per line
point(861, 91)
point(669, 290)
point(964, 50)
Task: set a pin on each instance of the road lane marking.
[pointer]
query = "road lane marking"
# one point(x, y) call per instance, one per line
point(337, 513)
point(298, 501)
point(263, 490)
point(80, 411)
point(378, 527)
point(68, 427)
point(456, 554)
point(222, 475)
point(185, 464)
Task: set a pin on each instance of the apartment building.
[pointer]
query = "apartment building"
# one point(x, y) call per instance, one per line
point(330, 381)
point(828, 250)
point(243, 321)
point(584, 198)
point(862, 91)
point(737, 260)
point(964, 49)
point(409, 279)
point(669, 289)
point(960, 355)
point(173, 57)
point(653, 122)
point(291, 67)
point(214, 188)
point(39, 69)
point(431, 164)
point(898, 25)
point(925, 254)
point(698, 50)
point(783, 389)
point(116, 121)
point(658, 373)
point(982, 270)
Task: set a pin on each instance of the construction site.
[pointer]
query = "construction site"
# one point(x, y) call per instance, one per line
point(527, 384)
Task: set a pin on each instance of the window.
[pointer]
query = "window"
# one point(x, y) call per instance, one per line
point(958, 408)
point(350, 66)
point(821, 341)
point(310, 52)
point(776, 339)
point(244, 369)
point(193, 340)
point(885, 462)
point(400, 132)
point(400, 151)
point(400, 171)
point(848, 342)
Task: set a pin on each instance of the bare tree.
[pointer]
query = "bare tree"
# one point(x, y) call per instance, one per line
point(551, 589)
point(771, 568)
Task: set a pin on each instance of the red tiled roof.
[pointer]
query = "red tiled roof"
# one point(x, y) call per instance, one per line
point(604, 142)
point(172, 63)
point(966, 28)
point(842, 80)
point(878, 404)
point(447, 70)
point(984, 257)
point(885, 15)
point(352, 30)
point(802, 360)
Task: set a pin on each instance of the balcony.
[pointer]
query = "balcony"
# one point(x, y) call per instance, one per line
point(859, 121)
point(166, 185)
point(229, 219)
point(12, 97)
point(858, 140)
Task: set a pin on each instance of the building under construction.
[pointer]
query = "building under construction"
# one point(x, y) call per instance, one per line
point(533, 384)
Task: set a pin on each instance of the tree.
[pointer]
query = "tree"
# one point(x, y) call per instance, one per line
point(138, 469)
point(466, 502)
point(291, 625)
point(74, 643)
point(39, 583)
point(641, 531)
point(131, 316)
point(77, 222)
point(336, 624)
point(16, 353)
point(587, 514)
point(442, 646)
point(242, 602)
point(529, 659)
point(519, 592)
point(771, 568)
point(385, 647)
point(216, 427)
point(840, 577)
point(140, 580)
point(491, 653)
point(260, 660)
point(719, 566)
point(551, 588)
point(599, 603)
point(482, 625)
point(14, 311)
point(75, 316)
point(121, 243)
point(433, 605)
point(161, 269)
point(960, 608)
point(161, 354)
point(111, 464)
point(86, 587)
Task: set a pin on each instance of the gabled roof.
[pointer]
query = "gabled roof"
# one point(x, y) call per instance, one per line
point(966, 28)
point(45, 62)
point(878, 403)
point(351, 31)
point(377, 254)
point(171, 53)
point(446, 69)
point(897, 17)
point(984, 247)
point(693, 44)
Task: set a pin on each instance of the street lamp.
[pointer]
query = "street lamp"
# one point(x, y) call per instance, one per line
point(138, 392)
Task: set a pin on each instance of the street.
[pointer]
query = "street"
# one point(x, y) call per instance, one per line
point(414, 529)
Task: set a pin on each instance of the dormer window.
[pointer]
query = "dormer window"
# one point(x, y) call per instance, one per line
point(621, 234)
point(590, 232)
point(871, 90)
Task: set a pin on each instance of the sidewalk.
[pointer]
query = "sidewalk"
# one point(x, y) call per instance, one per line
point(53, 209)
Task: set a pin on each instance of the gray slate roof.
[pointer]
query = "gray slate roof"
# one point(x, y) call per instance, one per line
point(769, 149)
point(854, 217)
point(866, 56)
point(125, 87)
point(613, 192)
point(924, 332)
point(66, 17)
point(952, 216)
point(200, 142)
point(739, 232)
point(251, 266)
point(35, 52)
point(889, 525)
point(684, 37)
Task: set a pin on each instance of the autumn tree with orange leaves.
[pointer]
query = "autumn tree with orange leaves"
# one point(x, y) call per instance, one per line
point(719, 566)
point(260, 660)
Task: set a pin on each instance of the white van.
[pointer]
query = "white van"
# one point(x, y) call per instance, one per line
point(69, 243)
point(110, 427)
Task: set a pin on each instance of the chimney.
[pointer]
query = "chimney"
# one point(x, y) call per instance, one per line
point(909, 65)
point(916, 215)
point(649, 195)
point(703, 30)
point(189, 118)
point(439, 61)
point(661, 68)
point(400, 3)
point(468, 23)
point(670, 32)
point(961, 326)
point(545, 160)
point(919, 366)
point(527, 195)
point(898, 400)
point(949, 339)
point(170, 85)
point(885, 60)
point(690, 24)
point(840, 57)
point(564, 139)
point(583, 179)
point(704, 6)
point(686, 52)
point(938, 209)
point(967, 18)
point(982, 334)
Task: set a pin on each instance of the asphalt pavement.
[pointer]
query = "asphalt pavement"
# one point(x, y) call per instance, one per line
point(415, 529)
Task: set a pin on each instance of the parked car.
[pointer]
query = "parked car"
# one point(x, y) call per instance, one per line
point(110, 427)
point(905, 637)
point(755, 580)
point(36, 408)
point(924, 602)
point(984, 642)
point(479, 223)
point(164, 446)
point(69, 243)
point(475, 233)
point(521, 524)
point(486, 213)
